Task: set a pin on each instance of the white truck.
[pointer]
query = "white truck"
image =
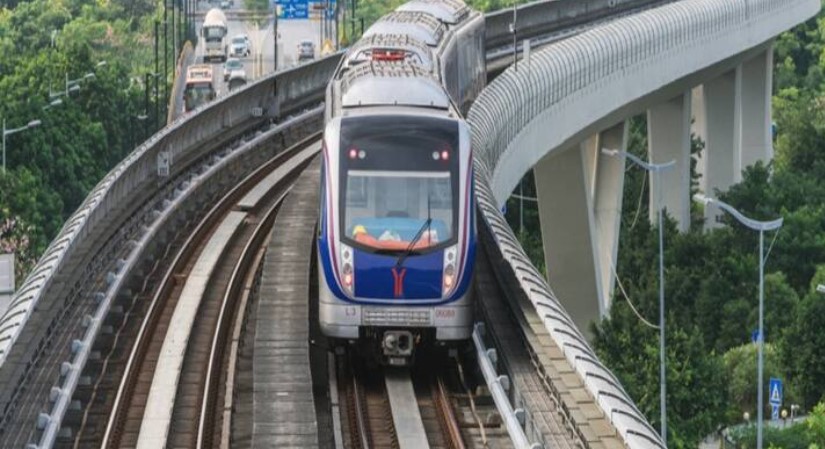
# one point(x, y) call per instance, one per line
point(214, 35)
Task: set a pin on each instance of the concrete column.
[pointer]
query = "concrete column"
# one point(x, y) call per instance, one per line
point(668, 138)
point(579, 194)
point(755, 109)
point(568, 233)
point(697, 128)
point(721, 122)
point(607, 203)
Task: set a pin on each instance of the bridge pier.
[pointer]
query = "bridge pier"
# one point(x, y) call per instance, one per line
point(755, 109)
point(580, 200)
point(668, 139)
point(717, 124)
point(733, 117)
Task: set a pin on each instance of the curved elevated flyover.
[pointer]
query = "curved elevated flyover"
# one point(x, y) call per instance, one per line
point(585, 85)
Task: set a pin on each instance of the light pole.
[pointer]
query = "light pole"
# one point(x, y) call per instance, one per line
point(53, 103)
point(8, 132)
point(74, 85)
point(656, 169)
point(760, 226)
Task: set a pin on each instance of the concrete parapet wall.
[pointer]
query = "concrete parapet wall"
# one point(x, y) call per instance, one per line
point(185, 59)
point(185, 140)
point(593, 80)
point(537, 18)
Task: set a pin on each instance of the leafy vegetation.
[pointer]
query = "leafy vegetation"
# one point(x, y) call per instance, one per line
point(51, 168)
point(711, 278)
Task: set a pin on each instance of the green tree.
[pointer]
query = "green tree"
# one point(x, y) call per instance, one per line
point(696, 394)
point(804, 345)
point(815, 425)
point(741, 372)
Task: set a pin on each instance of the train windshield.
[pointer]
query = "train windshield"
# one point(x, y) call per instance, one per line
point(399, 183)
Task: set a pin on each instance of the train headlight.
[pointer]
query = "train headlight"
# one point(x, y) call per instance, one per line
point(347, 269)
point(450, 275)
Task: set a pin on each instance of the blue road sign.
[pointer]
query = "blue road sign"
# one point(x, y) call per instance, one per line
point(299, 9)
point(755, 336)
point(774, 412)
point(293, 9)
point(775, 392)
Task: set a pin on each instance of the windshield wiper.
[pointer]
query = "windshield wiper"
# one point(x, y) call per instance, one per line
point(415, 240)
point(417, 237)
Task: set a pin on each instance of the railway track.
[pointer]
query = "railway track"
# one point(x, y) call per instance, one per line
point(429, 406)
point(244, 216)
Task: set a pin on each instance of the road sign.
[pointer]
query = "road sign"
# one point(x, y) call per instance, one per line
point(300, 9)
point(293, 9)
point(755, 336)
point(775, 392)
point(775, 412)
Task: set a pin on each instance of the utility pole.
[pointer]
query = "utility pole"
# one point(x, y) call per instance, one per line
point(514, 30)
point(165, 63)
point(275, 39)
point(185, 20)
point(179, 5)
point(157, 70)
point(172, 29)
point(146, 106)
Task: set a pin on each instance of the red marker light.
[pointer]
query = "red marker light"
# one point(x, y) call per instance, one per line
point(353, 153)
point(445, 155)
point(388, 55)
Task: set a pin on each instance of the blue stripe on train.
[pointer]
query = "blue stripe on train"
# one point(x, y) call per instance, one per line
point(419, 277)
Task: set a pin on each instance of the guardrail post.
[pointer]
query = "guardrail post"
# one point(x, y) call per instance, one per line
point(498, 384)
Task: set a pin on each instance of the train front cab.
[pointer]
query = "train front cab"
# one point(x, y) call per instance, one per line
point(397, 234)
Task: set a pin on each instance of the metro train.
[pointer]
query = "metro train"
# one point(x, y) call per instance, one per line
point(397, 229)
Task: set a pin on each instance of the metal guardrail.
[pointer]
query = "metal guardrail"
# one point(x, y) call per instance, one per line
point(62, 393)
point(498, 386)
point(543, 17)
point(581, 70)
point(182, 142)
point(602, 384)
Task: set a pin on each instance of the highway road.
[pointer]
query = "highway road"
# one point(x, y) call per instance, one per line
point(261, 32)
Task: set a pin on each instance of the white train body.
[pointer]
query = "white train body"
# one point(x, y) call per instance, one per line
point(397, 234)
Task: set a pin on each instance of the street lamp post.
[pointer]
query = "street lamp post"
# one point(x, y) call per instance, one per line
point(760, 226)
point(8, 132)
point(656, 169)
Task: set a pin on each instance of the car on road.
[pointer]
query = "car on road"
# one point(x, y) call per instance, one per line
point(240, 46)
point(231, 65)
point(236, 79)
point(225, 4)
point(306, 50)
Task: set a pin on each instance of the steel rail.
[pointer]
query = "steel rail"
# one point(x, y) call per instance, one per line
point(446, 416)
point(128, 382)
point(251, 249)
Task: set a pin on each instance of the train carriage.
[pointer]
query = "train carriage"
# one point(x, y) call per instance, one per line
point(397, 233)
